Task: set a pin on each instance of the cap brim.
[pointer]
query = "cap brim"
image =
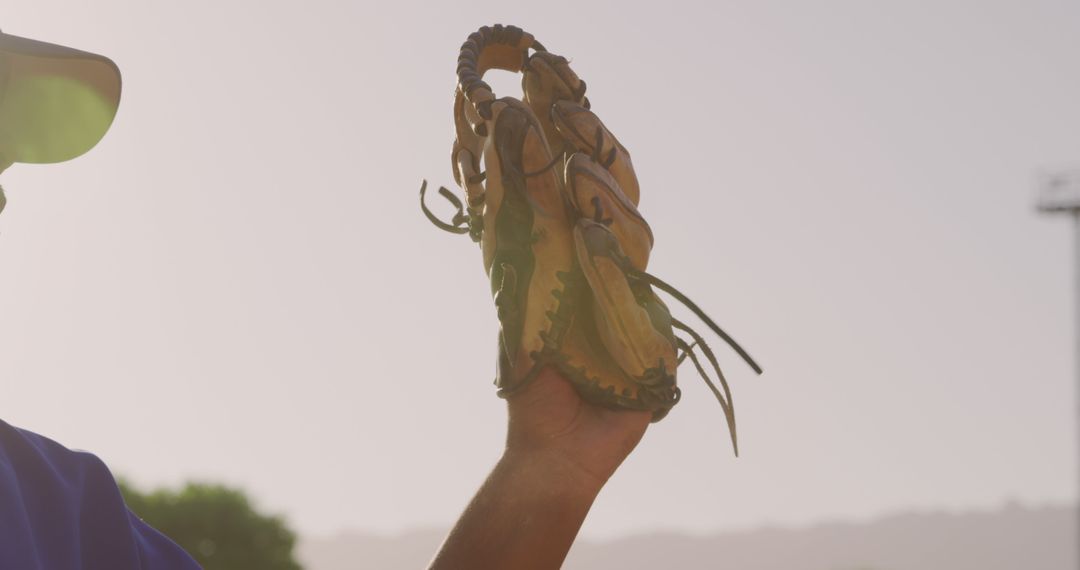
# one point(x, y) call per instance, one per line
point(56, 103)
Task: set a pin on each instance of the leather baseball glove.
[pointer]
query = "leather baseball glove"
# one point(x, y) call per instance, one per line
point(551, 197)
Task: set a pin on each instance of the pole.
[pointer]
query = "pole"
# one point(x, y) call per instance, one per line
point(1076, 346)
point(1060, 193)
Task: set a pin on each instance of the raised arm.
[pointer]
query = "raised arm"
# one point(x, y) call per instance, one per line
point(560, 450)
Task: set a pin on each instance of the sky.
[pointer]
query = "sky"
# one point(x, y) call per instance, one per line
point(237, 284)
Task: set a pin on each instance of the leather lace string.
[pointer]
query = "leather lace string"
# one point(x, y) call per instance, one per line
point(660, 284)
point(458, 224)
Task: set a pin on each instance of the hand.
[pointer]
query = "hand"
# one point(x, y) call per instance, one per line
point(560, 450)
point(549, 420)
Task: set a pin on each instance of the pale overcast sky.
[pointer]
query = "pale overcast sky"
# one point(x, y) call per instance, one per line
point(237, 284)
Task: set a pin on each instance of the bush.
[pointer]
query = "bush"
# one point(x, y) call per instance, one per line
point(217, 525)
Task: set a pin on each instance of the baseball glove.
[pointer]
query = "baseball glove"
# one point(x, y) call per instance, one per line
point(551, 197)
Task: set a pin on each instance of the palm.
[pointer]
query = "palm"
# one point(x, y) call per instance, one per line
point(550, 415)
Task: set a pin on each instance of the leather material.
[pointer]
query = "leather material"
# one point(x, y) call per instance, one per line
point(551, 196)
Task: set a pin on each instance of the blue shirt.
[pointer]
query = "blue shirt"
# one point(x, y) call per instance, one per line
point(61, 510)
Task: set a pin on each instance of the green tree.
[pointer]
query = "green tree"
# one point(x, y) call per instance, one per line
point(217, 525)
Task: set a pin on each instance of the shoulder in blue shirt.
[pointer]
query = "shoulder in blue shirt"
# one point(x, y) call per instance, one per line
point(61, 509)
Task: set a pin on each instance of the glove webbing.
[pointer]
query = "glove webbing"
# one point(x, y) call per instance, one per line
point(468, 71)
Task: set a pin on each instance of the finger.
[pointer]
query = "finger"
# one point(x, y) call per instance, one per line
point(594, 192)
point(585, 132)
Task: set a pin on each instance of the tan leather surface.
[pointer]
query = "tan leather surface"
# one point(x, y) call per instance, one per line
point(589, 185)
point(552, 243)
point(552, 197)
point(548, 79)
point(579, 312)
point(579, 125)
point(503, 56)
point(493, 193)
point(594, 372)
point(623, 325)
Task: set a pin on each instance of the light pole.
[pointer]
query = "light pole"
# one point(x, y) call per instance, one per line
point(1059, 193)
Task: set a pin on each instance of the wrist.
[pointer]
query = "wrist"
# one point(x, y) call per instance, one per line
point(556, 471)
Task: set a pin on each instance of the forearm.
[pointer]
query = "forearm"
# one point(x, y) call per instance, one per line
point(525, 516)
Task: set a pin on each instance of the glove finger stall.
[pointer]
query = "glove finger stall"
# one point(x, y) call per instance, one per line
point(527, 236)
point(596, 195)
point(641, 343)
point(584, 131)
point(546, 80)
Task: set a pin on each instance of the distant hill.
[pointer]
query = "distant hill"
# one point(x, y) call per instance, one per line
point(1013, 538)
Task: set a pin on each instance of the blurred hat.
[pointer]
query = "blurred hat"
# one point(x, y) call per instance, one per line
point(56, 103)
